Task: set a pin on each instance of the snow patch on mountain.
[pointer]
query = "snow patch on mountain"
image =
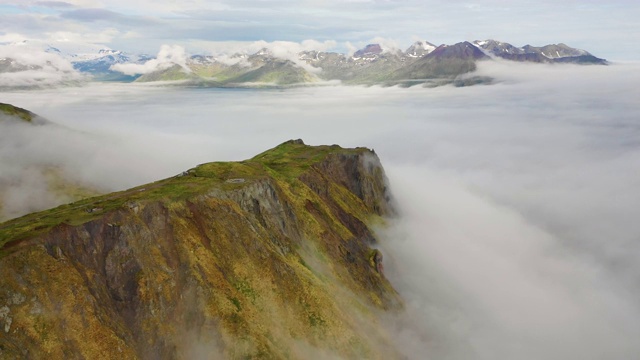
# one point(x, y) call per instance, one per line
point(420, 48)
point(552, 51)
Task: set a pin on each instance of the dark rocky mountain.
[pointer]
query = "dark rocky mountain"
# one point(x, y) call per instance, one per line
point(464, 50)
point(555, 53)
point(444, 62)
point(369, 51)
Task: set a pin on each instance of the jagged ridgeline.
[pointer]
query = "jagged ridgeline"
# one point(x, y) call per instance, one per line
point(265, 258)
point(423, 63)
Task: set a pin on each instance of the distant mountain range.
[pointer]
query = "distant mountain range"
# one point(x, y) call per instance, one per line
point(556, 53)
point(100, 66)
point(422, 63)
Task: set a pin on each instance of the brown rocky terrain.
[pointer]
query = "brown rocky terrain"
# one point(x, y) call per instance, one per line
point(265, 258)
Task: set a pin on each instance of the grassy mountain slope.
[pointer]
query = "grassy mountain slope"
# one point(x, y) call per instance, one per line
point(443, 62)
point(277, 72)
point(11, 111)
point(273, 72)
point(173, 73)
point(352, 70)
point(264, 258)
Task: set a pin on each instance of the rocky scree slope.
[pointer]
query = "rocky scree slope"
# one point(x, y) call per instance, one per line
point(265, 258)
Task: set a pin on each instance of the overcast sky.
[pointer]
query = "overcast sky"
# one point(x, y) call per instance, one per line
point(608, 29)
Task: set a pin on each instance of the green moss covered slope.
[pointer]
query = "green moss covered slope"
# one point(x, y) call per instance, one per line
point(14, 111)
point(265, 258)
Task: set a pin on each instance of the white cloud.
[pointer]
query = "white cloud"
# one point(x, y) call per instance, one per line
point(487, 283)
point(11, 37)
point(169, 55)
point(233, 60)
point(104, 36)
point(387, 45)
point(36, 68)
point(351, 49)
point(287, 50)
point(26, 55)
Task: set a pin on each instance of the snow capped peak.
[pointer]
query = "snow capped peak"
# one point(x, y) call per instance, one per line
point(107, 51)
point(420, 48)
point(548, 53)
point(371, 49)
point(263, 52)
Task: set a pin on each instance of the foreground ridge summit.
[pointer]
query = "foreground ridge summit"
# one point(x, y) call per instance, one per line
point(268, 257)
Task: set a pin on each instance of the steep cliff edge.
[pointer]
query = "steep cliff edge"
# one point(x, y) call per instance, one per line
point(265, 258)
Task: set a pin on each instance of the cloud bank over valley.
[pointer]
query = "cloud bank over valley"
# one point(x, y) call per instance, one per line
point(517, 235)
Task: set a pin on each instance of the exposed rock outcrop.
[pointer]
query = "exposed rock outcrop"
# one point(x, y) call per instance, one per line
point(274, 264)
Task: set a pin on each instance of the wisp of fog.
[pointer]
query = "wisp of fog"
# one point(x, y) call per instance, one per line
point(517, 236)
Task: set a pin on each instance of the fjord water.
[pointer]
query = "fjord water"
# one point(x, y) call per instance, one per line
point(518, 233)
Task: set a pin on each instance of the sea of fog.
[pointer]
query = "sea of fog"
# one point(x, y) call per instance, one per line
point(519, 234)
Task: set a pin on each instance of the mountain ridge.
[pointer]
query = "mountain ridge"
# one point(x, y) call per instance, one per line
point(421, 63)
point(239, 259)
point(553, 53)
point(374, 64)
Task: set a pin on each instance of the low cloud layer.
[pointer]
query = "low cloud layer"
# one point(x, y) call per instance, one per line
point(486, 282)
point(518, 230)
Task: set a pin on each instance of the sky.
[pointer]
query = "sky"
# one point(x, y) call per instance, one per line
point(607, 29)
point(517, 236)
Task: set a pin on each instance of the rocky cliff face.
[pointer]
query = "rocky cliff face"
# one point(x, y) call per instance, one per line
point(265, 258)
